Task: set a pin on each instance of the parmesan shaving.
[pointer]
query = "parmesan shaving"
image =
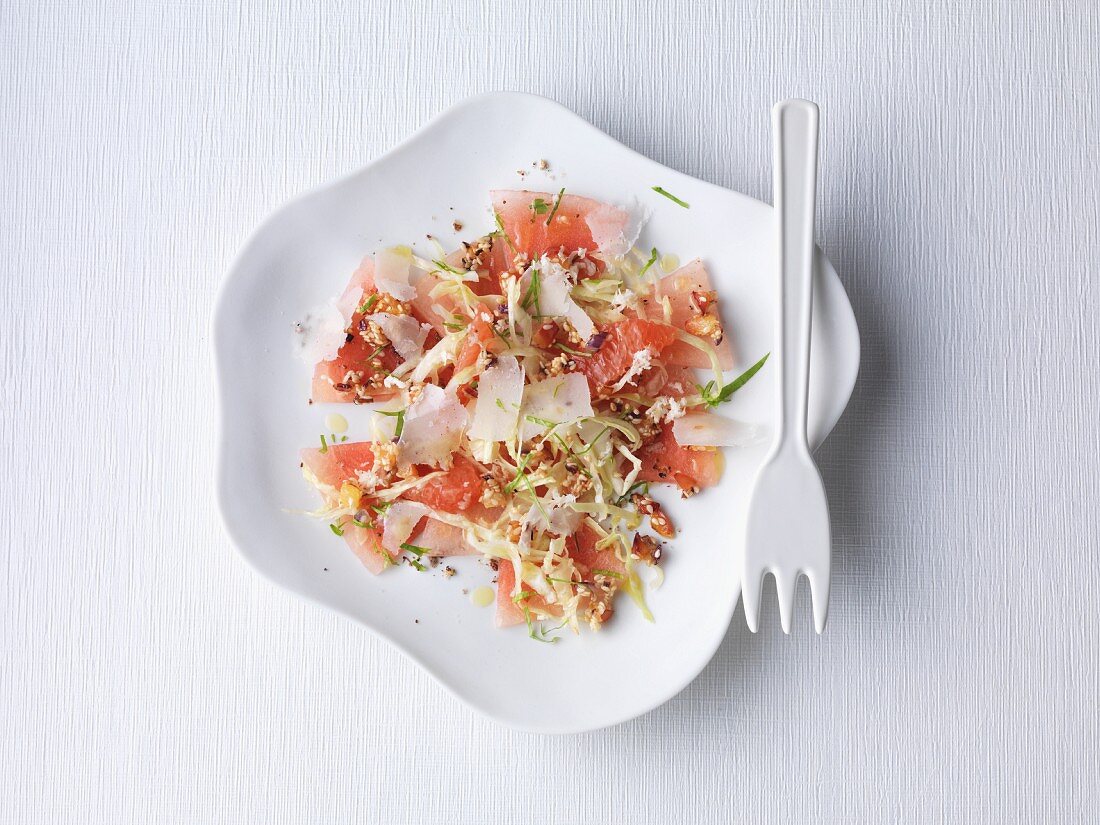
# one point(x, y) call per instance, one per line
point(392, 274)
point(709, 430)
point(499, 395)
point(433, 428)
point(559, 400)
point(400, 520)
point(405, 333)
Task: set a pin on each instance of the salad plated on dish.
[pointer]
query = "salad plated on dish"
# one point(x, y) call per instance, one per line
point(533, 392)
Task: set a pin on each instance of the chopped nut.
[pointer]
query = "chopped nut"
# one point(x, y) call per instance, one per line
point(457, 225)
point(388, 304)
point(542, 164)
point(492, 493)
point(661, 523)
point(703, 301)
point(372, 334)
point(646, 548)
point(571, 333)
point(448, 571)
point(600, 602)
point(705, 326)
point(576, 482)
point(382, 472)
point(514, 531)
point(558, 366)
point(706, 323)
point(474, 254)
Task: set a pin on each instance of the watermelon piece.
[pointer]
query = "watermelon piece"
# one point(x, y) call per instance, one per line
point(678, 288)
point(366, 544)
point(336, 465)
point(329, 386)
point(340, 462)
point(582, 549)
point(666, 462)
point(479, 334)
point(578, 223)
point(508, 612)
point(675, 382)
point(615, 355)
point(456, 491)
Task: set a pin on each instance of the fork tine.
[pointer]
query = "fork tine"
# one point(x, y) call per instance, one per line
point(819, 593)
point(785, 582)
point(751, 583)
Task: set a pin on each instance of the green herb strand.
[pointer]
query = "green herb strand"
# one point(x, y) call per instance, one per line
point(557, 203)
point(713, 398)
point(400, 416)
point(671, 197)
point(500, 228)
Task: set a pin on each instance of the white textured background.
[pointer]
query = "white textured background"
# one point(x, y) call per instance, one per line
point(149, 676)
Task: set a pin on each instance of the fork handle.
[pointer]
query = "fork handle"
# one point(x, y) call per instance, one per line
point(794, 125)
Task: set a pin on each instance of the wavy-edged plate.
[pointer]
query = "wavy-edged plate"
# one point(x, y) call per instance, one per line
point(304, 254)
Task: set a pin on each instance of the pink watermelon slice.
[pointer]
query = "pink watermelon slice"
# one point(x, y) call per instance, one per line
point(355, 356)
point(666, 462)
point(334, 466)
point(678, 288)
point(534, 227)
point(441, 539)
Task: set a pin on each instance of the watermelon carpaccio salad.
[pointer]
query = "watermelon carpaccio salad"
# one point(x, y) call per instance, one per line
point(534, 385)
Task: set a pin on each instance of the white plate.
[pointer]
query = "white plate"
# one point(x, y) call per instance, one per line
point(305, 253)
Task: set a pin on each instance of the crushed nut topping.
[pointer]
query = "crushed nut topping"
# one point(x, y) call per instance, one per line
point(705, 326)
point(576, 482)
point(515, 530)
point(390, 305)
point(646, 548)
point(372, 334)
point(492, 492)
point(705, 323)
point(558, 365)
point(474, 255)
point(661, 523)
point(571, 334)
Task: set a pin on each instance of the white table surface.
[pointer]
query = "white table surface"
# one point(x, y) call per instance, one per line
point(149, 676)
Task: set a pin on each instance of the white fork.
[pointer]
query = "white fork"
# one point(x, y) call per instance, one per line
point(788, 522)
